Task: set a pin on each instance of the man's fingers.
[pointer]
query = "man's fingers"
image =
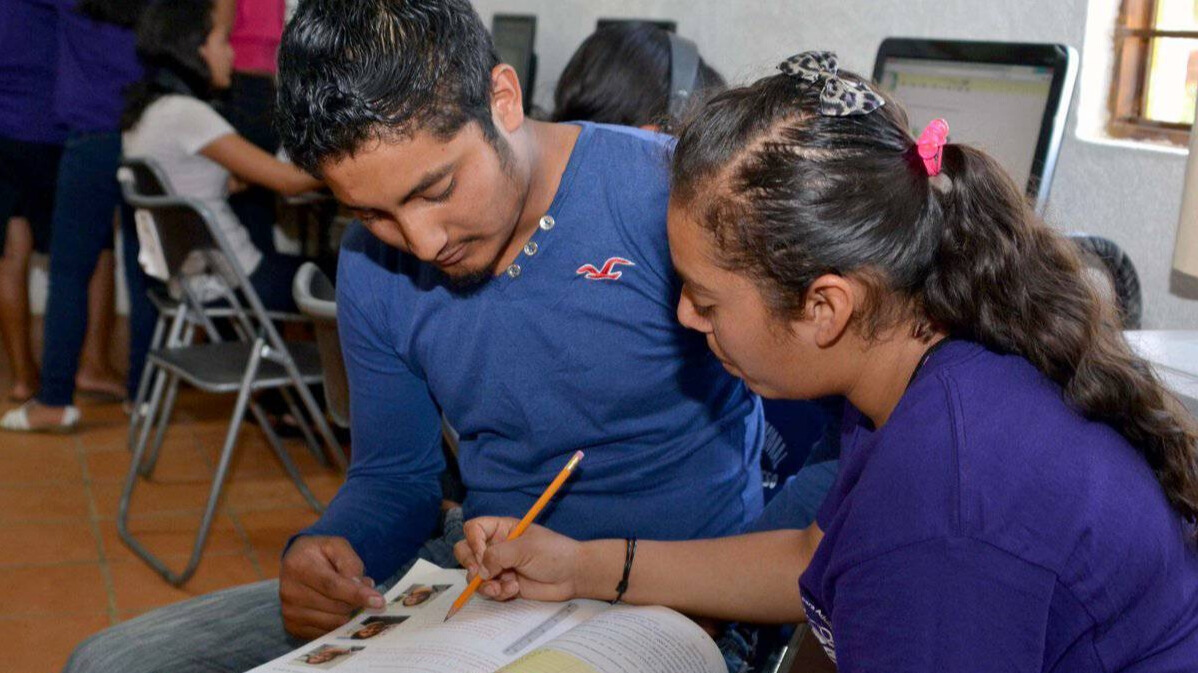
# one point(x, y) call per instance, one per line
point(307, 623)
point(299, 595)
point(343, 557)
point(346, 590)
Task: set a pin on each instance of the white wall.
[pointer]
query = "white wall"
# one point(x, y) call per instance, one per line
point(1130, 195)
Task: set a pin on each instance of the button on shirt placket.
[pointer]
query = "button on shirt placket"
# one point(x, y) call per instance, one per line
point(531, 248)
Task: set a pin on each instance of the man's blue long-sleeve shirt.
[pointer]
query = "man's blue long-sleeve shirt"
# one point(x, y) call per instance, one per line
point(579, 350)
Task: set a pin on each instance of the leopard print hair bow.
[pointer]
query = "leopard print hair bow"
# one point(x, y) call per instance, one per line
point(839, 97)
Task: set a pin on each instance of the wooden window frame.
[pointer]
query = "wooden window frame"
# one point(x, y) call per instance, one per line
point(1129, 78)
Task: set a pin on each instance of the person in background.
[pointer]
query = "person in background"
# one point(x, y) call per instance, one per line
point(249, 104)
point(1018, 492)
point(96, 61)
point(184, 45)
point(30, 149)
point(621, 75)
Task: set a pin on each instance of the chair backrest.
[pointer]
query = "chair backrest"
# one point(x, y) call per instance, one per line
point(316, 298)
point(1113, 274)
point(186, 230)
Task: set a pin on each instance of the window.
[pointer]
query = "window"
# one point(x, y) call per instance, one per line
point(1156, 70)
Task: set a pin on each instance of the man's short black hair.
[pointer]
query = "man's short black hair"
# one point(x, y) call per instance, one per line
point(355, 71)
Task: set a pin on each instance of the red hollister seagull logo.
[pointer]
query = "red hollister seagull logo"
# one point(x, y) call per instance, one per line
point(589, 271)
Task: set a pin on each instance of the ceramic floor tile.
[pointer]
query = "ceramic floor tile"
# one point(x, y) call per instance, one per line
point(43, 644)
point(47, 543)
point(171, 535)
point(152, 497)
point(26, 502)
point(178, 460)
point(24, 463)
point(136, 586)
point(53, 590)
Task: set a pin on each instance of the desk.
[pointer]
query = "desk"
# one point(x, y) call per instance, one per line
point(1174, 356)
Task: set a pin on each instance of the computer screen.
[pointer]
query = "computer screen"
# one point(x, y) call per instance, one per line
point(1009, 100)
point(664, 24)
point(514, 36)
point(998, 108)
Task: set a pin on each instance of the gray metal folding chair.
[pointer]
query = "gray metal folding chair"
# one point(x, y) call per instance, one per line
point(191, 246)
point(149, 181)
point(317, 298)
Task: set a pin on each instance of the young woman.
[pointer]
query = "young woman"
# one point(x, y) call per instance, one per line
point(621, 75)
point(185, 46)
point(94, 58)
point(1017, 491)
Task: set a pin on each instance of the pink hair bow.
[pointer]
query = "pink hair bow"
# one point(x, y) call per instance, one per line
point(931, 145)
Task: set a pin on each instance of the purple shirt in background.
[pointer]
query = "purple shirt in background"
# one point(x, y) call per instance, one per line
point(96, 62)
point(28, 61)
point(988, 527)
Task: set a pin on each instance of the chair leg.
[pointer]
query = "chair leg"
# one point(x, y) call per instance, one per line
point(143, 412)
point(276, 445)
point(322, 423)
point(164, 417)
point(218, 482)
point(147, 375)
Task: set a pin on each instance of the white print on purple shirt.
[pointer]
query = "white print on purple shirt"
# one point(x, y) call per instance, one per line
point(821, 626)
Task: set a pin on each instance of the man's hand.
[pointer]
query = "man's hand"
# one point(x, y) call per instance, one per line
point(540, 564)
point(321, 585)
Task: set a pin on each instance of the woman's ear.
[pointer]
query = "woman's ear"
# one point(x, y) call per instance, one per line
point(507, 100)
point(829, 308)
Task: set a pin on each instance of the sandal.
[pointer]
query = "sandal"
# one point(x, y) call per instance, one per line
point(17, 420)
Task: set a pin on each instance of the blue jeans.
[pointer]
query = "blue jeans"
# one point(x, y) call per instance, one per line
point(88, 195)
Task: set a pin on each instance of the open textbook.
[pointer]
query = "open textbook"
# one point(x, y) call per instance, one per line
point(579, 636)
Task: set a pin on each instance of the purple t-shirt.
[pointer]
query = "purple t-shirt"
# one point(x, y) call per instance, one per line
point(28, 61)
point(988, 527)
point(96, 62)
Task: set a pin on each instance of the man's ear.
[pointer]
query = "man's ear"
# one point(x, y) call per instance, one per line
point(829, 307)
point(507, 100)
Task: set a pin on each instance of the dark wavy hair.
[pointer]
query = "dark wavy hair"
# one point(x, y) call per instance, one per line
point(123, 13)
point(354, 71)
point(621, 75)
point(789, 195)
point(169, 36)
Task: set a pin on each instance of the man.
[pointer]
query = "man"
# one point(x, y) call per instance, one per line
point(511, 274)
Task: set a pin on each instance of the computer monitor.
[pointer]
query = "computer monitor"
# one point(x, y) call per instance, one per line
point(514, 36)
point(664, 24)
point(1008, 99)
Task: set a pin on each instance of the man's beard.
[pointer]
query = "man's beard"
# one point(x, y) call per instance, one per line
point(469, 281)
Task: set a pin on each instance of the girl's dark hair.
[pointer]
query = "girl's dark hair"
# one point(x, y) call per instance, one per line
point(169, 36)
point(123, 13)
point(621, 75)
point(789, 195)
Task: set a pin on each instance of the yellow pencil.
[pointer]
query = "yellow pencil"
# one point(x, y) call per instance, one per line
point(521, 527)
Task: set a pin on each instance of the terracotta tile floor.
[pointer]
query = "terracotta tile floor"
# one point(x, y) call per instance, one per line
point(64, 573)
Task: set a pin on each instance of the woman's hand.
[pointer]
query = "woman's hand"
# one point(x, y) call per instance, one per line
point(539, 565)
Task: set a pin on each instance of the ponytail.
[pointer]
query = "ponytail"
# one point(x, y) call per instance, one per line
point(1005, 280)
point(789, 194)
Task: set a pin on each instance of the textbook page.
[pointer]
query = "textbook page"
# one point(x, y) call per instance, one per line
point(410, 635)
point(627, 640)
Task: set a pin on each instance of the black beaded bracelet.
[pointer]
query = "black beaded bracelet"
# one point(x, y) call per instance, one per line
point(629, 554)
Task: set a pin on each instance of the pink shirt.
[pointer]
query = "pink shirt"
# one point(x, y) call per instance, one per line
point(256, 34)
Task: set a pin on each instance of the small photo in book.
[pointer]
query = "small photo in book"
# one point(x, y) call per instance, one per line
point(419, 594)
point(327, 656)
point(375, 626)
